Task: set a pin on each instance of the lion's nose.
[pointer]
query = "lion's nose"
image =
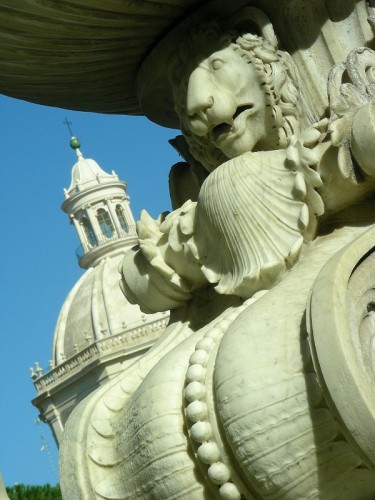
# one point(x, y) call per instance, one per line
point(199, 100)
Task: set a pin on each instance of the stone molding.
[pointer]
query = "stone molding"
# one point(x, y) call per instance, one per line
point(100, 350)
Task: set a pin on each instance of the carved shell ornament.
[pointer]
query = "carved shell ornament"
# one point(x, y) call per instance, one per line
point(261, 207)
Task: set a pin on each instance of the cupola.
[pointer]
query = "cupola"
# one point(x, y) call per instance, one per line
point(98, 206)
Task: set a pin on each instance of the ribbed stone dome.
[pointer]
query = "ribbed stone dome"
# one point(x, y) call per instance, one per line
point(96, 309)
point(87, 173)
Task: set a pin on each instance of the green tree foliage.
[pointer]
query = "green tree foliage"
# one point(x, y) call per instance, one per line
point(25, 492)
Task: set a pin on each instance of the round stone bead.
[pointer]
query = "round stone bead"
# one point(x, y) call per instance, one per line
point(215, 333)
point(196, 411)
point(201, 432)
point(194, 390)
point(206, 343)
point(199, 357)
point(209, 452)
point(195, 373)
point(228, 491)
point(219, 473)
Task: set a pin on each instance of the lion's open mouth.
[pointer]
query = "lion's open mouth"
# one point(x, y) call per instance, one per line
point(225, 128)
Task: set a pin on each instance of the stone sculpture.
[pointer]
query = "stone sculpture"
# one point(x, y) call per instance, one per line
point(262, 385)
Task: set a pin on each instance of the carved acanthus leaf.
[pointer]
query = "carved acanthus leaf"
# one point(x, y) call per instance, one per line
point(167, 271)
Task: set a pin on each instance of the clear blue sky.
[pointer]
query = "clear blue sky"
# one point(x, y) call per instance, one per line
point(38, 265)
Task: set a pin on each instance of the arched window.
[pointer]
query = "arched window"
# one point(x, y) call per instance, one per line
point(90, 235)
point(121, 217)
point(105, 223)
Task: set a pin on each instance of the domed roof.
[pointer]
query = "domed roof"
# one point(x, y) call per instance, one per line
point(86, 173)
point(95, 309)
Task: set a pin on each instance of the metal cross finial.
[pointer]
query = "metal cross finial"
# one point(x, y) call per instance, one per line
point(68, 124)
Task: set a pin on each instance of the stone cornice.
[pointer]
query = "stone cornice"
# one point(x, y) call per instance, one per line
point(120, 345)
